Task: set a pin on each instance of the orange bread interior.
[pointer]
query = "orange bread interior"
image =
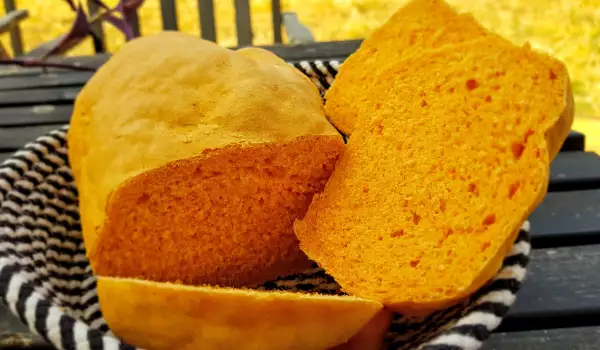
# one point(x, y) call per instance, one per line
point(164, 316)
point(192, 162)
point(438, 177)
point(418, 26)
point(222, 218)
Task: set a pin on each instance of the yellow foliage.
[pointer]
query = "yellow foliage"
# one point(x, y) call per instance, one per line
point(568, 29)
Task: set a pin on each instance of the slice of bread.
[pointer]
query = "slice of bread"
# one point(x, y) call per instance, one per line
point(439, 176)
point(168, 316)
point(193, 161)
point(418, 26)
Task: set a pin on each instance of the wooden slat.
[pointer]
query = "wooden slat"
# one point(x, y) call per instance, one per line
point(94, 61)
point(35, 115)
point(5, 155)
point(38, 96)
point(335, 50)
point(567, 218)
point(33, 346)
point(44, 49)
point(9, 325)
point(44, 81)
point(276, 16)
point(575, 171)
point(99, 45)
point(14, 138)
point(208, 30)
point(562, 289)
point(243, 22)
point(583, 338)
point(15, 32)
point(168, 12)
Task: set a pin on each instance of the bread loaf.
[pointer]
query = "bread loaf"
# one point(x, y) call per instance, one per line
point(192, 162)
point(439, 175)
point(418, 26)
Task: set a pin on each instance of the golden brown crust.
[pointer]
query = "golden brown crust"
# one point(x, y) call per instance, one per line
point(557, 133)
point(161, 316)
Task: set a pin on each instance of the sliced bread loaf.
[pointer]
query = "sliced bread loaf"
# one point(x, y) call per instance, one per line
point(193, 161)
point(439, 176)
point(419, 25)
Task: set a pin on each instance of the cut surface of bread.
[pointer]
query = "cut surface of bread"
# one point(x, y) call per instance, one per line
point(192, 161)
point(222, 218)
point(438, 178)
point(418, 26)
point(171, 316)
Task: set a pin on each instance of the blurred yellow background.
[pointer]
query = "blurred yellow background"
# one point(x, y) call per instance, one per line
point(568, 29)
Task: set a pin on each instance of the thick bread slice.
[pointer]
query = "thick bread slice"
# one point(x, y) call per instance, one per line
point(167, 316)
point(437, 179)
point(418, 26)
point(192, 162)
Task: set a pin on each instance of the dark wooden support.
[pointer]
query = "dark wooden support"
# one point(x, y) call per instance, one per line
point(276, 15)
point(208, 29)
point(15, 31)
point(168, 11)
point(98, 32)
point(243, 22)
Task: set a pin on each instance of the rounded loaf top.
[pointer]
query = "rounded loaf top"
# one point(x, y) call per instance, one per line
point(171, 96)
